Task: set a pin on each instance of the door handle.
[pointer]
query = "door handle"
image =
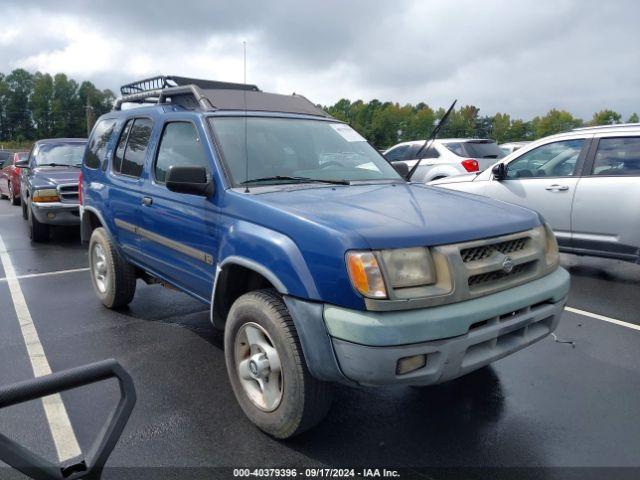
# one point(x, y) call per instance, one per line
point(557, 188)
point(147, 201)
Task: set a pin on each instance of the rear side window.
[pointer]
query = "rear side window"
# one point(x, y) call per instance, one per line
point(97, 148)
point(180, 146)
point(132, 147)
point(398, 153)
point(136, 150)
point(618, 156)
point(122, 143)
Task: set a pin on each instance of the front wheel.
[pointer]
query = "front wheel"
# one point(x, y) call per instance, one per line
point(38, 232)
point(113, 278)
point(267, 368)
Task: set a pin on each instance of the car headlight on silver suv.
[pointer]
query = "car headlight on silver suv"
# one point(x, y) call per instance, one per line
point(403, 268)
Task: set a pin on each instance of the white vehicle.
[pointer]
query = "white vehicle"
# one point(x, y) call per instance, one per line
point(446, 157)
point(510, 147)
point(585, 183)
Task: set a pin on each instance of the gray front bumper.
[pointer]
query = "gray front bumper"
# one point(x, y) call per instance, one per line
point(453, 357)
point(57, 213)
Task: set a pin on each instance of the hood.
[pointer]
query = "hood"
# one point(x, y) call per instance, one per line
point(400, 215)
point(56, 175)
point(467, 177)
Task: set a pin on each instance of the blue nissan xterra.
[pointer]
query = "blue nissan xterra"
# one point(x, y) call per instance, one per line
point(319, 261)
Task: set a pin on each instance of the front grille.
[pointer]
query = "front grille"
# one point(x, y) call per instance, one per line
point(497, 275)
point(475, 254)
point(68, 193)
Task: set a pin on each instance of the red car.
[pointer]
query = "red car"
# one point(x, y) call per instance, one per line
point(10, 177)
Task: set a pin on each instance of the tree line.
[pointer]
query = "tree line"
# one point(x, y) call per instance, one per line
point(39, 105)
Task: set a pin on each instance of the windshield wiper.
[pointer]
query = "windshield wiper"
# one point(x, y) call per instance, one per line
point(296, 179)
point(491, 156)
point(53, 165)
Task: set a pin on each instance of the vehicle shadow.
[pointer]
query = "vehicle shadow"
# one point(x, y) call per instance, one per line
point(407, 426)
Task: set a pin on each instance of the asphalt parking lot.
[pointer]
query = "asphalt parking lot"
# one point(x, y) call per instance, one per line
point(555, 404)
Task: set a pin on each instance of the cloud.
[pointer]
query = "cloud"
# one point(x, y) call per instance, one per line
point(518, 57)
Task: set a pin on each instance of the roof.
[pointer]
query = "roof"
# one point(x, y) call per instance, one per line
point(210, 95)
point(608, 128)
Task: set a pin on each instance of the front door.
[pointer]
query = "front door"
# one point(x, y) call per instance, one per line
point(178, 229)
point(544, 179)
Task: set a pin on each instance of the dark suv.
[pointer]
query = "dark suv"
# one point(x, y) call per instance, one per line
point(319, 261)
point(49, 185)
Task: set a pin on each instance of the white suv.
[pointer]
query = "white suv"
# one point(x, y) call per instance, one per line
point(446, 157)
point(586, 184)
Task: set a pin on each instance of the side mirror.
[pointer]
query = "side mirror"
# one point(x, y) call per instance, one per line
point(401, 168)
point(22, 163)
point(191, 180)
point(499, 171)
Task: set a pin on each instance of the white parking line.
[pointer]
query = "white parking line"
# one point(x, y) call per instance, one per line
point(62, 432)
point(46, 274)
point(603, 318)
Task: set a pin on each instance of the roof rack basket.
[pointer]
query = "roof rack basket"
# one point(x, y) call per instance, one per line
point(158, 89)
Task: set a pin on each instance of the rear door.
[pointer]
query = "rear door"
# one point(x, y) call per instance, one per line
point(125, 195)
point(178, 236)
point(606, 209)
point(545, 179)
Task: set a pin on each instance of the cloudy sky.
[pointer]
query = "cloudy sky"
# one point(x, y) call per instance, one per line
point(517, 56)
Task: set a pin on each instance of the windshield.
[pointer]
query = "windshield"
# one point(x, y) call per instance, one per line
point(298, 149)
point(60, 154)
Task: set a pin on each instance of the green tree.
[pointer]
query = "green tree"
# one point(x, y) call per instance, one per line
point(555, 121)
point(606, 117)
point(633, 118)
point(19, 84)
point(66, 108)
point(41, 105)
point(501, 127)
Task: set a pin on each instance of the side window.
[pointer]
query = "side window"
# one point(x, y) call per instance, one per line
point(122, 143)
point(618, 156)
point(97, 148)
point(180, 146)
point(456, 148)
point(557, 159)
point(397, 153)
point(136, 149)
point(431, 153)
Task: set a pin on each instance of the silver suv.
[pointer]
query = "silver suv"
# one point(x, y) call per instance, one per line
point(586, 184)
point(446, 157)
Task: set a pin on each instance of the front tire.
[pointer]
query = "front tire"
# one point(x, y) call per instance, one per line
point(267, 369)
point(113, 278)
point(25, 214)
point(38, 232)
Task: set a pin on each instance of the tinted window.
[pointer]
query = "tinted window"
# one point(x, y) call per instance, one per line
point(455, 148)
point(482, 149)
point(557, 159)
point(618, 156)
point(431, 152)
point(122, 142)
point(136, 150)
point(180, 146)
point(98, 143)
point(398, 153)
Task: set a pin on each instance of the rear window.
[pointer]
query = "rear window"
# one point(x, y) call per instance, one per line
point(476, 149)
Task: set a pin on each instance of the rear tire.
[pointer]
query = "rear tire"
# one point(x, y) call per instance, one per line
point(12, 198)
point(25, 214)
point(301, 401)
point(113, 278)
point(38, 232)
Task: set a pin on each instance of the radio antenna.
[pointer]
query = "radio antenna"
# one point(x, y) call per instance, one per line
point(244, 96)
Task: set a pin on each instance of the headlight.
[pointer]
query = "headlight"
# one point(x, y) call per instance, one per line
point(365, 274)
point(552, 256)
point(46, 195)
point(408, 267)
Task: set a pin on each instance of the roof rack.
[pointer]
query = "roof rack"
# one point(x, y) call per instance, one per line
point(158, 89)
point(615, 125)
point(197, 94)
